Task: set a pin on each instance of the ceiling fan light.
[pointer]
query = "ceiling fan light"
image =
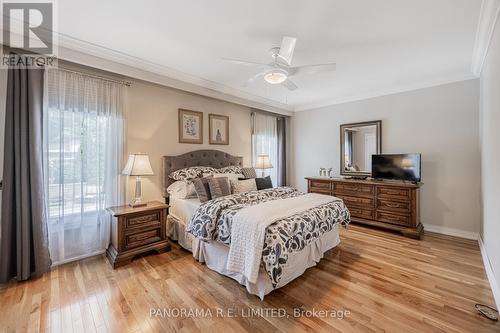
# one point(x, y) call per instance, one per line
point(275, 76)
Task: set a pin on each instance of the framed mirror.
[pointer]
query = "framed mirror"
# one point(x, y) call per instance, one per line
point(358, 142)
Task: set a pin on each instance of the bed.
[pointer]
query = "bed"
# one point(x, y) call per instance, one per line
point(262, 239)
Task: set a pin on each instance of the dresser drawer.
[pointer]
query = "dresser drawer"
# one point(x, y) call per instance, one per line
point(360, 202)
point(320, 186)
point(394, 206)
point(143, 221)
point(357, 189)
point(392, 218)
point(393, 193)
point(137, 239)
point(361, 213)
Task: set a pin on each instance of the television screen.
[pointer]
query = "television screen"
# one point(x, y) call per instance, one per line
point(397, 166)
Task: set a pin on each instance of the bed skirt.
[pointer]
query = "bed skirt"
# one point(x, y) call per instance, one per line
point(215, 255)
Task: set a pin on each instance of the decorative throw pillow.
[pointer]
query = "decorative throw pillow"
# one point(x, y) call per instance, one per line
point(231, 176)
point(202, 188)
point(263, 183)
point(249, 172)
point(219, 187)
point(246, 185)
point(181, 189)
point(191, 173)
point(230, 169)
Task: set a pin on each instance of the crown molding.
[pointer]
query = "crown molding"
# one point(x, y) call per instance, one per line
point(488, 17)
point(99, 57)
point(385, 92)
point(106, 59)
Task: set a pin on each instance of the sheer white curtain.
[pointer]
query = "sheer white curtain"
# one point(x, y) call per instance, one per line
point(265, 142)
point(83, 142)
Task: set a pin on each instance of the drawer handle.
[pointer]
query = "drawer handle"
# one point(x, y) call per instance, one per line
point(141, 237)
point(393, 205)
point(392, 218)
point(392, 192)
point(353, 188)
point(143, 219)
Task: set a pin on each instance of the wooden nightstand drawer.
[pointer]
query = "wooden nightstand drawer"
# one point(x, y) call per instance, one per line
point(142, 238)
point(136, 230)
point(143, 221)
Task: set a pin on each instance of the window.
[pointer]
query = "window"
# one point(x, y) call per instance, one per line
point(83, 151)
point(265, 142)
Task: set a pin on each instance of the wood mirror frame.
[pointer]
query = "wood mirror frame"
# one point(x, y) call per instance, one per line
point(378, 131)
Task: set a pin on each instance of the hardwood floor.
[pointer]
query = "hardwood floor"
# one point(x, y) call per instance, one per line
point(387, 282)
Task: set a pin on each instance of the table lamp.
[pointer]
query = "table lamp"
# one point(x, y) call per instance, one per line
point(263, 162)
point(138, 165)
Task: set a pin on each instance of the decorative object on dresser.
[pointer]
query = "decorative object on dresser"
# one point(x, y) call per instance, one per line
point(190, 126)
point(263, 162)
point(358, 142)
point(138, 165)
point(135, 231)
point(218, 129)
point(390, 205)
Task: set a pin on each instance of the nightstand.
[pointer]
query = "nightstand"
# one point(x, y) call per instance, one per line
point(137, 230)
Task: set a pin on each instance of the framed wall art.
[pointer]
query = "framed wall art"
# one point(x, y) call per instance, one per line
point(190, 126)
point(218, 129)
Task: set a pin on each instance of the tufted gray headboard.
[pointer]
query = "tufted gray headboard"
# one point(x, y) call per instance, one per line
point(207, 157)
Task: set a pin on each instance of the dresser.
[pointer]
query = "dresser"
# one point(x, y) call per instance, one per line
point(389, 205)
point(135, 231)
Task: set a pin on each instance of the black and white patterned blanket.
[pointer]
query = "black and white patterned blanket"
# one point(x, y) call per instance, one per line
point(213, 220)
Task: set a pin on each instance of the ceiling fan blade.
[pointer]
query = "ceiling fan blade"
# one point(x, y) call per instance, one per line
point(252, 79)
point(286, 49)
point(244, 62)
point(312, 69)
point(290, 85)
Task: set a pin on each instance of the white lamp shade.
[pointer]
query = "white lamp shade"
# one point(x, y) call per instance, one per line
point(138, 165)
point(263, 162)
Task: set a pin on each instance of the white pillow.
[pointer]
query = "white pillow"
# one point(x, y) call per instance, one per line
point(181, 189)
point(231, 176)
point(240, 186)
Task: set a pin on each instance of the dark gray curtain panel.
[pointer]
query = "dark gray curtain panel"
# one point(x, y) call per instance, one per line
point(281, 134)
point(23, 243)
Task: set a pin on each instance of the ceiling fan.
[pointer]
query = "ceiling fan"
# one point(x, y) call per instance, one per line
point(280, 70)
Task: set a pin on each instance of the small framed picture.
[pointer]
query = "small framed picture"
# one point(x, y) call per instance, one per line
point(190, 126)
point(218, 129)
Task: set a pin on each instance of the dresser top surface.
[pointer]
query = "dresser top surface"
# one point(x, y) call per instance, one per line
point(367, 182)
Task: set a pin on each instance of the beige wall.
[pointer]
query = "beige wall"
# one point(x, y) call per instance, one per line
point(490, 155)
point(153, 128)
point(439, 122)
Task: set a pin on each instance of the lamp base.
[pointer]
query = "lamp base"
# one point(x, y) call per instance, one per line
point(139, 204)
point(138, 194)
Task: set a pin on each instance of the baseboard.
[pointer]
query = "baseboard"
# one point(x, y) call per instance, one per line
point(84, 256)
point(495, 288)
point(451, 231)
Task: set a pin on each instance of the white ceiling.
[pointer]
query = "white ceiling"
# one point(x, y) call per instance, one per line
point(380, 46)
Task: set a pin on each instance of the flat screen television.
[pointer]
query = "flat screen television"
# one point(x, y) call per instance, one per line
point(397, 167)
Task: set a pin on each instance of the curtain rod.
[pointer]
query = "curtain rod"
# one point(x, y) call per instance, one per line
point(126, 83)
